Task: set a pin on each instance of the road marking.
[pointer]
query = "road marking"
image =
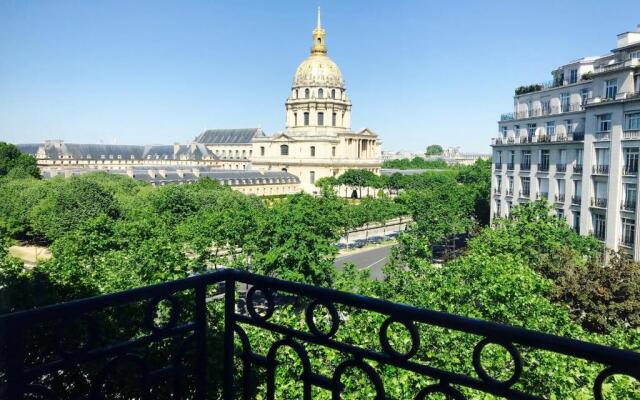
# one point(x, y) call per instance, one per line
point(371, 265)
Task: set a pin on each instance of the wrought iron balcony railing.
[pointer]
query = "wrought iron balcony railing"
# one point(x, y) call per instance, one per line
point(498, 166)
point(543, 167)
point(193, 338)
point(577, 169)
point(576, 199)
point(510, 166)
point(561, 167)
point(626, 242)
point(601, 169)
point(599, 202)
point(560, 197)
point(542, 195)
point(628, 205)
point(525, 166)
point(630, 169)
point(509, 192)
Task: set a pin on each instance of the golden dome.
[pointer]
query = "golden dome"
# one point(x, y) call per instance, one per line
point(318, 69)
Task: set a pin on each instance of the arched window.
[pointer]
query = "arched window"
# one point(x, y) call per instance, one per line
point(284, 150)
point(262, 150)
point(312, 177)
point(333, 119)
point(306, 119)
point(320, 93)
point(313, 151)
point(306, 93)
point(295, 119)
point(333, 93)
point(296, 93)
point(320, 119)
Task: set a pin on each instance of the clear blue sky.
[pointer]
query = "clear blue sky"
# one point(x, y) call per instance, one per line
point(418, 72)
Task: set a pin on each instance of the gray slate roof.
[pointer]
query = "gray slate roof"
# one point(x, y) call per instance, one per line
point(172, 175)
point(229, 136)
point(29, 148)
point(55, 149)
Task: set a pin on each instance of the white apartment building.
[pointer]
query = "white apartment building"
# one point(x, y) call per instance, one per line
point(576, 141)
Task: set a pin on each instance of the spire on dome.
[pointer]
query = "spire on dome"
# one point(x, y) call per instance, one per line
point(318, 47)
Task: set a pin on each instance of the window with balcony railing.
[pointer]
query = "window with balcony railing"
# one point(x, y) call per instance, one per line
point(525, 166)
point(599, 226)
point(543, 166)
point(628, 232)
point(577, 168)
point(560, 197)
point(561, 167)
point(510, 166)
point(576, 199)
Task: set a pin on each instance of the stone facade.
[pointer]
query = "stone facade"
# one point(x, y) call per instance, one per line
point(576, 142)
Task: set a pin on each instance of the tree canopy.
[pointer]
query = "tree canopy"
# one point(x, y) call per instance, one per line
point(434, 150)
point(15, 164)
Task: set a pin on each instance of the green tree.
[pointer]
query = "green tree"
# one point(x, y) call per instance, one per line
point(16, 164)
point(17, 198)
point(434, 150)
point(438, 212)
point(358, 178)
point(477, 178)
point(295, 239)
point(601, 297)
point(68, 203)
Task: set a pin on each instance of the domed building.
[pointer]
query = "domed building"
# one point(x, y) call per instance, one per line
point(318, 141)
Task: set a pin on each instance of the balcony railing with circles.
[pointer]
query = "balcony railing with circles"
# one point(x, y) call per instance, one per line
point(163, 341)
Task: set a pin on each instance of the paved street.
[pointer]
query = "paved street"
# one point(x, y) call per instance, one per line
point(373, 259)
